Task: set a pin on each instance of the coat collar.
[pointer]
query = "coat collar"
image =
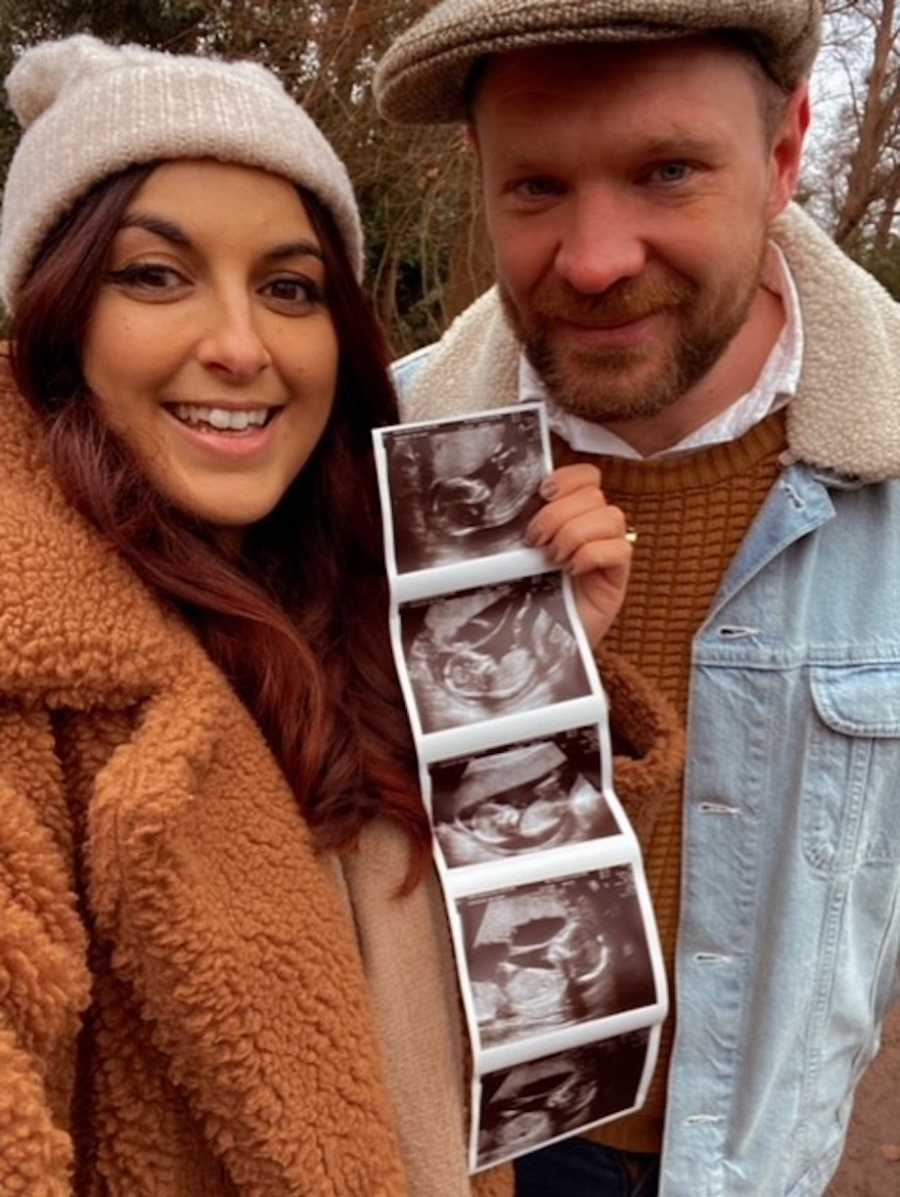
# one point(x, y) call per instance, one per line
point(846, 416)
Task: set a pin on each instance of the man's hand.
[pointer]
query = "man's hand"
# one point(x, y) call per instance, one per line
point(588, 538)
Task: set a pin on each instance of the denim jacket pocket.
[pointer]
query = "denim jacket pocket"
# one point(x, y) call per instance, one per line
point(851, 795)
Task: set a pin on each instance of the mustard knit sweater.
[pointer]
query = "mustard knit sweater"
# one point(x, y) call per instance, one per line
point(691, 513)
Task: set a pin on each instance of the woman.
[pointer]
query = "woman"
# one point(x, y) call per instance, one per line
point(208, 984)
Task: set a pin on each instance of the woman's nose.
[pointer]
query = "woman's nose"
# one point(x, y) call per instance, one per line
point(232, 344)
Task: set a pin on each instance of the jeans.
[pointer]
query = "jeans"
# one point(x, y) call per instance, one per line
point(580, 1168)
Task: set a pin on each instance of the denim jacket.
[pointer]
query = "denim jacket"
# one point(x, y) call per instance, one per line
point(789, 942)
point(788, 950)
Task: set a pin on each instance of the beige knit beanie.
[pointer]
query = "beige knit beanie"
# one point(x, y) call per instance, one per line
point(422, 77)
point(88, 110)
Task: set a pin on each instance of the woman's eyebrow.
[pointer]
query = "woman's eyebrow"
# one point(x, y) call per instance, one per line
point(294, 249)
point(176, 236)
point(161, 228)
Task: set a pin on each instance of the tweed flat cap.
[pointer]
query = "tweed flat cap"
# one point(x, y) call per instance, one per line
point(422, 77)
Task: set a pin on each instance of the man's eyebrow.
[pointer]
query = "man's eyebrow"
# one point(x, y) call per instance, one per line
point(677, 144)
point(673, 143)
point(161, 228)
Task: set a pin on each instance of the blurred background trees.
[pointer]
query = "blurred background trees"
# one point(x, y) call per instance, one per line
point(427, 252)
point(852, 181)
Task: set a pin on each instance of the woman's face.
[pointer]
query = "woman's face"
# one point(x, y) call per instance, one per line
point(211, 351)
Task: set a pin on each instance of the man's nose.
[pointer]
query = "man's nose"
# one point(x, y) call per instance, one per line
point(601, 243)
point(231, 343)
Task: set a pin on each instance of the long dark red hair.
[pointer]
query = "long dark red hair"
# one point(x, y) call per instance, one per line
point(297, 618)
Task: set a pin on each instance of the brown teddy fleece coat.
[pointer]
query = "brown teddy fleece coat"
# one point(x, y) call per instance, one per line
point(192, 1002)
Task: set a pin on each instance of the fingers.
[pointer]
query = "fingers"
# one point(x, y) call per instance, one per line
point(577, 515)
point(586, 536)
point(568, 479)
point(569, 529)
point(548, 521)
point(612, 557)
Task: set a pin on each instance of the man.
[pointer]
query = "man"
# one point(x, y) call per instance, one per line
point(737, 381)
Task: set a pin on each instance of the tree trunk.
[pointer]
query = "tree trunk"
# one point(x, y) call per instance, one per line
point(886, 219)
point(880, 107)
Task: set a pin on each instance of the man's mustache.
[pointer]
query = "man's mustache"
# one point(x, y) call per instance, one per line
point(621, 304)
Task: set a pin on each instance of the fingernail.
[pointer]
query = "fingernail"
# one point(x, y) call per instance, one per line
point(549, 489)
point(631, 536)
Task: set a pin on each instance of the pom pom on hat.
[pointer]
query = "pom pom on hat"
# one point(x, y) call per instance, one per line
point(41, 74)
point(46, 71)
point(89, 110)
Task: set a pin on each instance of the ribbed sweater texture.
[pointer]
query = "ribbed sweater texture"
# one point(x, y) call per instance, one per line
point(691, 513)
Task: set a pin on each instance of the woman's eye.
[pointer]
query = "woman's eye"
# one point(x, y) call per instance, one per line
point(296, 294)
point(147, 276)
point(536, 189)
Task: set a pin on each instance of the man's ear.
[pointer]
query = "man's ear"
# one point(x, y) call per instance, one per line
point(786, 154)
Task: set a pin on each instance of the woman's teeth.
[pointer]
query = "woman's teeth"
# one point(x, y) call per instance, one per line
point(220, 419)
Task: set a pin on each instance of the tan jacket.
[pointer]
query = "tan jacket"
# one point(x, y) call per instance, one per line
point(191, 1001)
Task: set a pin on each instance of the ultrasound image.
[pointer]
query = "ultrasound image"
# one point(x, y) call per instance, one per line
point(492, 651)
point(556, 953)
point(464, 490)
point(528, 1105)
point(524, 798)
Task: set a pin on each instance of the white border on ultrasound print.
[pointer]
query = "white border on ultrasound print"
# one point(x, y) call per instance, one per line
point(444, 579)
point(650, 1058)
point(508, 1055)
point(470, 575)
point(506, 729)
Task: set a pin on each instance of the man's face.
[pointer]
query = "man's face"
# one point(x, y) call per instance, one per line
point(628, 192)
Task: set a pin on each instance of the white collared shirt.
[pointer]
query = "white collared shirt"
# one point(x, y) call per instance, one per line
point(775, 387)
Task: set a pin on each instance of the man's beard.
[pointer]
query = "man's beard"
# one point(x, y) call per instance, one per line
point(606, 385)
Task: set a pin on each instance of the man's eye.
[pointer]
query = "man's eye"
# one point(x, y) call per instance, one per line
point(672, 172)
point(295, 293)
point(147, 276)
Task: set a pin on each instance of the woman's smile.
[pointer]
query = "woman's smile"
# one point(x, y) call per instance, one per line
point(231, 433)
